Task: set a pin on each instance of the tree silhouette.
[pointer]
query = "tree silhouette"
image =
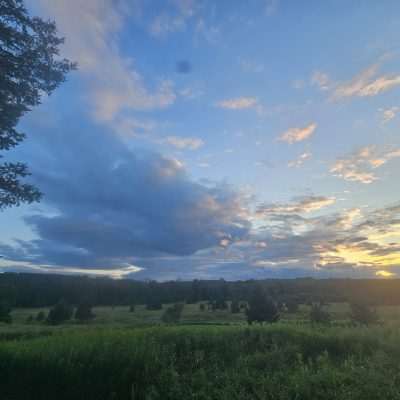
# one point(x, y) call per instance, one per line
point(261, 308)
point(84, 312)
point(30, 67)
point(362, 314)
point(319, 315)
point(60, 313)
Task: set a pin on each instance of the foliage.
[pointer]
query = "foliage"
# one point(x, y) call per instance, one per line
point(202, 307)
point(318, 315)
point(362, 314)
point(84, 312)
point(5, 313)
point(60, 313)
point(173, 314)
point(42, 290)
point(30, 68)
point(41, 316)
point(235, 309)
point(205, 363)
point(154, 304)
point(292, 306)
point(261, 308)
point(132, 308)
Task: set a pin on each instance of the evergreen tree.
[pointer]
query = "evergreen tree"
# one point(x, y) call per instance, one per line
point(5, 313)
point(318, 315)
point(261, 308)
point(60, 313)
point(363, 314)
point(30, 68)
point(84, 312)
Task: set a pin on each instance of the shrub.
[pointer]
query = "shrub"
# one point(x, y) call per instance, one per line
point(362, 314)
point(235, 309)
point(60, 313)
point(132, 308)
point(173, 314)
point(40, 317)
point(318, 315)
point(292, 307)
point(261, 308)
point(5, 313)
point(84, 312)
point(154, 304)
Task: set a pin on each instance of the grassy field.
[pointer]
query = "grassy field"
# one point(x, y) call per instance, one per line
point(125, 355)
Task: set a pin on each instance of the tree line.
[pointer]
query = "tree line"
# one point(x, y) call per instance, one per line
point(44, 290)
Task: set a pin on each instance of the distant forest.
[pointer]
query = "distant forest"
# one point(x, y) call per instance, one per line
point(37, 290)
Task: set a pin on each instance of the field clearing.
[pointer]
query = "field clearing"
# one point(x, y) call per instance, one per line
point(277, 361)
point(134, 356)
point(120, 315)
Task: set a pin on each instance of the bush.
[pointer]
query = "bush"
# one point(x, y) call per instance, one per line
point(261, 308)
point(84, 312)
point(318, 315)
point(60, 313)
point(235, 309)
point(5, 313)
point(292, 307)
point(154, 304)
point(173, 314)
point(202, 307)
point(363, 314)
point(132, 308)
point(40, 317)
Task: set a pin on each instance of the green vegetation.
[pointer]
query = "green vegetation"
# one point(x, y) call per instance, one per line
point(135, 355)
point(143, 347)
point(270, 362)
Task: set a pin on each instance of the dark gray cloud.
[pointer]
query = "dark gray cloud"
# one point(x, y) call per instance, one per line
point(110, 205)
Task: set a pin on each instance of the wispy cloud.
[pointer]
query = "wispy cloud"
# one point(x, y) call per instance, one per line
point(299, 161)
point(271, 7)
point(366, 83)
point(298, 206)
point(166, 23)
point(238, 103)
point(294, 135)
point(112, 86)
point(190, 143)
point(360, 166)
point(321, 80)
point(389, 113)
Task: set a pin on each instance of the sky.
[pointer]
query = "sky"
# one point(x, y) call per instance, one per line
point(205, 139)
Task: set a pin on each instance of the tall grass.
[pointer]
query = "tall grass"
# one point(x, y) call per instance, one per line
point(173, 363)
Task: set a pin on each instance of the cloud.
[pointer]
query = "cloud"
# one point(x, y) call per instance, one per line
point(175, 21)
point(112, 86)
point(184, 142)
point(111, 206)
point(321, 80)
point(271, 7)
point(238, 103)
point(389, 113)
point(299, 206)
point(366, 84)
point(294, 135)
point(384, 274)
point(300, 160)
point(360, 165)
point(251, 66)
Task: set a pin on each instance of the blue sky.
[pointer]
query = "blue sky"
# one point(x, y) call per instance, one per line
point(205, 139)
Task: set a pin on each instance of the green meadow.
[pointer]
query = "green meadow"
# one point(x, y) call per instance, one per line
point(207, 355)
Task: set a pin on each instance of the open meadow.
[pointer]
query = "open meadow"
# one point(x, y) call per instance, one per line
point(207, 355)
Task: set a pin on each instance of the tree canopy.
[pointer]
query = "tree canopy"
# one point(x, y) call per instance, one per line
point(30, 67)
